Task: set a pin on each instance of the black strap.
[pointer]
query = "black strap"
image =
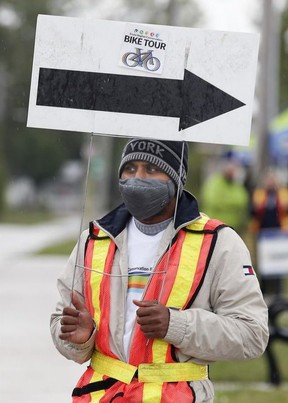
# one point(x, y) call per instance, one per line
point(94, 386)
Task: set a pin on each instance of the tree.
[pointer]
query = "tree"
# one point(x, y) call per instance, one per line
point(33, 152)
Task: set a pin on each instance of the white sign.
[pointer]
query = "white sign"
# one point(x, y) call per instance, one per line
point(272, 253)
point(139, 80)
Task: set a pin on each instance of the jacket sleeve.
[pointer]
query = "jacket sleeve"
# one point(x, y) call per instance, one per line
point(76, 352)
point(228, 320)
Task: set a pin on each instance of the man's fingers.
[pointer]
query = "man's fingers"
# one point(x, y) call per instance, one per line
point(146, 319)
point(68, 328)
point(65, 336)
point(69, 311)
point(69, 320)
point(76, 322)
point(146, 308)
point(144, 304)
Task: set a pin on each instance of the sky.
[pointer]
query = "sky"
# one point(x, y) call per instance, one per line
point(219, 14)
point(233, 15)
point(229, 15)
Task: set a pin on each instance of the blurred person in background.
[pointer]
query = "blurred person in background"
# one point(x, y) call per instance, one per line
point(224, 196)
point(269, 211)
point(269, 204)
point(155, 291)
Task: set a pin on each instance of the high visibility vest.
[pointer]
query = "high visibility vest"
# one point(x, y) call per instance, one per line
point(152, 373)
point(259, 201)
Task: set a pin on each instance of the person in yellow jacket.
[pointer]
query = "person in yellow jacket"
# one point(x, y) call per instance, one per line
point(223, 196)
point(159, 290)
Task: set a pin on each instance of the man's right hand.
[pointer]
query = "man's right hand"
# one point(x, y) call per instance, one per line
point(76, 323)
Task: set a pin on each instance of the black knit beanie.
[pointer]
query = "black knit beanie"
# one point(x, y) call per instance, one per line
point(166, 155)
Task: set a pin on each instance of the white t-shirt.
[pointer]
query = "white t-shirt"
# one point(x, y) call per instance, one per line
point(142, 251)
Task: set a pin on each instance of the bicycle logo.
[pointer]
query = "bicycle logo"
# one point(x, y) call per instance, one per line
point(141, 59)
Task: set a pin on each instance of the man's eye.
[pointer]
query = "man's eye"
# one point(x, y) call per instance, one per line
point(129, 168)
point(152, 168)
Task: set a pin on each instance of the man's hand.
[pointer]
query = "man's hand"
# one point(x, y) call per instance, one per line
point(153, 318)
point(76, 323)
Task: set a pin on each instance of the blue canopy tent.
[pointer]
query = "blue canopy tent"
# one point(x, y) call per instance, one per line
point(278, 139)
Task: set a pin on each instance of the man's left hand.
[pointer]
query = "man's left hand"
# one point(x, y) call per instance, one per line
point(153, 318)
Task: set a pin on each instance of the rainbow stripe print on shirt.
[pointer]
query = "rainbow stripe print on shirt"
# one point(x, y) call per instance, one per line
point(137, 280)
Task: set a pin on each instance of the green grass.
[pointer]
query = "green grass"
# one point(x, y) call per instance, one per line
point(251, 370)
point(246, 374)
point(62, 248)
point(243, 395)
point(24, 217)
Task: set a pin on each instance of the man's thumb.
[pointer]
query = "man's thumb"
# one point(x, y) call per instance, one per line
point(80, 306)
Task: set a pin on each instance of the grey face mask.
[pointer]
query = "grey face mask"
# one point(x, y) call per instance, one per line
point(144, 198)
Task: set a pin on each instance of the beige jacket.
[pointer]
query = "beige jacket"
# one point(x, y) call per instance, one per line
point(227, 321)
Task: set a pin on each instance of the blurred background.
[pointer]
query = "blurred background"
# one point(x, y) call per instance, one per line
point(44, 203)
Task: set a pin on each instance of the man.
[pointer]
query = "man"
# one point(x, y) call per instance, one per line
point(269, 212)
point(160, 290)
point(269, 204)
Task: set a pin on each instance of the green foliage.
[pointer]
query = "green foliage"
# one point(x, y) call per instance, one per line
point(195, 167)
point(32, 152)
point(40, 153)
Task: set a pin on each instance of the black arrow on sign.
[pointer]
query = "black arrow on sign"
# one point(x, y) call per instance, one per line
point(193, 99)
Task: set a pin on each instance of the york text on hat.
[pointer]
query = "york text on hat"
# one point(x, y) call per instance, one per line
point(149, 147)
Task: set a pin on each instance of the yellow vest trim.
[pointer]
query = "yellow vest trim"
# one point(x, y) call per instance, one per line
point(151, 373)
point(172, 372)
point(98, 263)
point(186, 273)
point(113, 368)
point(152, 392)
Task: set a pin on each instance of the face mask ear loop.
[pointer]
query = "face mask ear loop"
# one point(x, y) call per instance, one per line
point(174, 220)
point(82, 213)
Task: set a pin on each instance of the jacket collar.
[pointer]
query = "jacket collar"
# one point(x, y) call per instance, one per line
point(115, 221)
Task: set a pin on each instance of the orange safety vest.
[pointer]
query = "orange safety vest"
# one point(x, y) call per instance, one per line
point(159, 377)
point(259, 200)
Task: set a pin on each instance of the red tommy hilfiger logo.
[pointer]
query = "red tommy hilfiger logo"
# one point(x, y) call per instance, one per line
point(248, 270)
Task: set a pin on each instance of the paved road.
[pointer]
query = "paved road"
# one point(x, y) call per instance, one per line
point(31, 369)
